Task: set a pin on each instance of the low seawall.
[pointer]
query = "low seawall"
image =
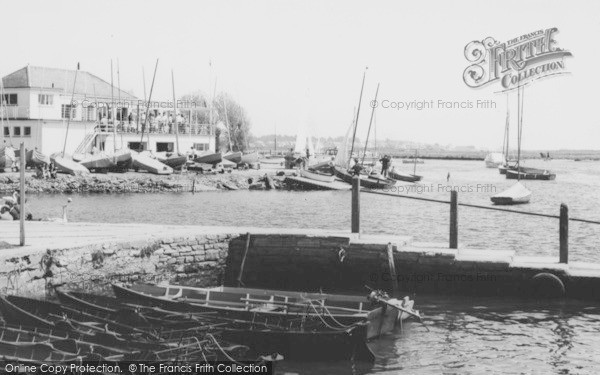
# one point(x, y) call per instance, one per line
point(90, 256)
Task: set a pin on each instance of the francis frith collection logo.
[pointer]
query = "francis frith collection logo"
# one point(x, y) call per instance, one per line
point(516, 62)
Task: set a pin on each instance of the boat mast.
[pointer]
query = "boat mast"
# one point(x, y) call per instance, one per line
point(148, 109)
point(121, 104)
point(370, 122)
point(227, 123)
point(175, 124)
point(356, 118)
point(112, 108)
point(521, 95)
point(70, 107)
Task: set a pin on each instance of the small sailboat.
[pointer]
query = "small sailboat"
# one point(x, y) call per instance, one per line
point(250, 158)
point(173, 160)
point(65, 164)
point(516, 194)
point(233, 156)
point(494, 160)
point(209, 158)
point(100, 161)
point(142, 161)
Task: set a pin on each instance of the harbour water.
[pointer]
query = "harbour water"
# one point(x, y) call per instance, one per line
point(576, 185)
point(503, 335)
point(485, 336)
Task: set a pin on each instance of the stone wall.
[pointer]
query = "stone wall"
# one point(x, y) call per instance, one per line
point(190, 261)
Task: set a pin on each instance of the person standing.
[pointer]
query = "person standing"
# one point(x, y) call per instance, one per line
point(385, 164)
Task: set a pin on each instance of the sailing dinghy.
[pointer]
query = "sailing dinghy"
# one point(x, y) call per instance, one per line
point(64, 164)
point(516, 194)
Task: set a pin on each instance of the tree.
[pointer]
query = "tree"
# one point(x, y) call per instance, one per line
point(234, 123)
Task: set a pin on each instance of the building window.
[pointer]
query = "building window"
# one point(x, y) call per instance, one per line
point(88, 114)
point(10, 99)
point(45, 99)
point(164, 146)
point(136, 146)
point(66, 110)
point(201, 146)
point(17, 131)
point(27, 131)
point(6, 132)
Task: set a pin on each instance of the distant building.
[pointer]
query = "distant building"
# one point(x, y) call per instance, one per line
point(37, 105)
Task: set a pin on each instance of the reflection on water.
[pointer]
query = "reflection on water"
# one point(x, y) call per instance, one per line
point(509, 336)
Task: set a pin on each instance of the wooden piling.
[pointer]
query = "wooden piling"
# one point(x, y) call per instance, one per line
point(454, 219)
point(241, 274)
point(356, 204)
point(22, 212)
point(392, 265)
point(564, 233)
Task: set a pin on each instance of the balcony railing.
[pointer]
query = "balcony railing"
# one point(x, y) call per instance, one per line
point(156, 128)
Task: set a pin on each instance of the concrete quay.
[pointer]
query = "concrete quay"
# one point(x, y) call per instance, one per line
point(90, 256)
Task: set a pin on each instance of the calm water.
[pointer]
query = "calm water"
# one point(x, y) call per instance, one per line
point(577, 185)
point(487, 335)
point(466, 336)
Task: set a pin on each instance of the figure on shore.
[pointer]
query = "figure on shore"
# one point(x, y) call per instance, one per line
point(385, 164)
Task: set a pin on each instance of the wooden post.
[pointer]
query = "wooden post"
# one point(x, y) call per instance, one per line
point(564, 233)
point(22, 212)
point(356, 204)
point(239, 280)
point(454, 219)
point(392, 265)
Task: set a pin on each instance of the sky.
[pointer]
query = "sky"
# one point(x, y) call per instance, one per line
point(295, 64)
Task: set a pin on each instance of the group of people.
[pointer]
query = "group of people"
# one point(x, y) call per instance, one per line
point(46, 171)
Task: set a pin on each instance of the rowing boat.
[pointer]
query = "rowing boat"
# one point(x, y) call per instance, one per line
point(404, 176)
point(317, 176)
point(297, 336)
point(268, 305)
point(250, 158)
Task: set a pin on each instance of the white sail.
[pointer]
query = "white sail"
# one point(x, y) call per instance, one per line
point(343, 155)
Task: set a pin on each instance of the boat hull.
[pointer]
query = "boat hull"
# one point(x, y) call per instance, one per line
point(250, 158)
point(366, 182)
point(189, 299)
point(404, 177)
point(146, 163)
point(99, 161)
point(67, 165)
point(516, 194)
point(235, 157)
point(212, 158)
point(317, 176)
point(534, 175)
point(174, 161)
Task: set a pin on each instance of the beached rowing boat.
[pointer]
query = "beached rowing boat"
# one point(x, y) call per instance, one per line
point(250, 158)
point(209, 158)
point(174, 161)
point(235, 157)
point(317, 176)
point(98, 162)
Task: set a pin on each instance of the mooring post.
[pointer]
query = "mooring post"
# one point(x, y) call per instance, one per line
point(356, 204)
point(392, 265)
point(246, 248)
point(22, 212)
point(563, 228)
point(454, 219)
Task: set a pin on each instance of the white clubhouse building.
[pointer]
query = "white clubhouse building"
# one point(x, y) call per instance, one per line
point(37, 103)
